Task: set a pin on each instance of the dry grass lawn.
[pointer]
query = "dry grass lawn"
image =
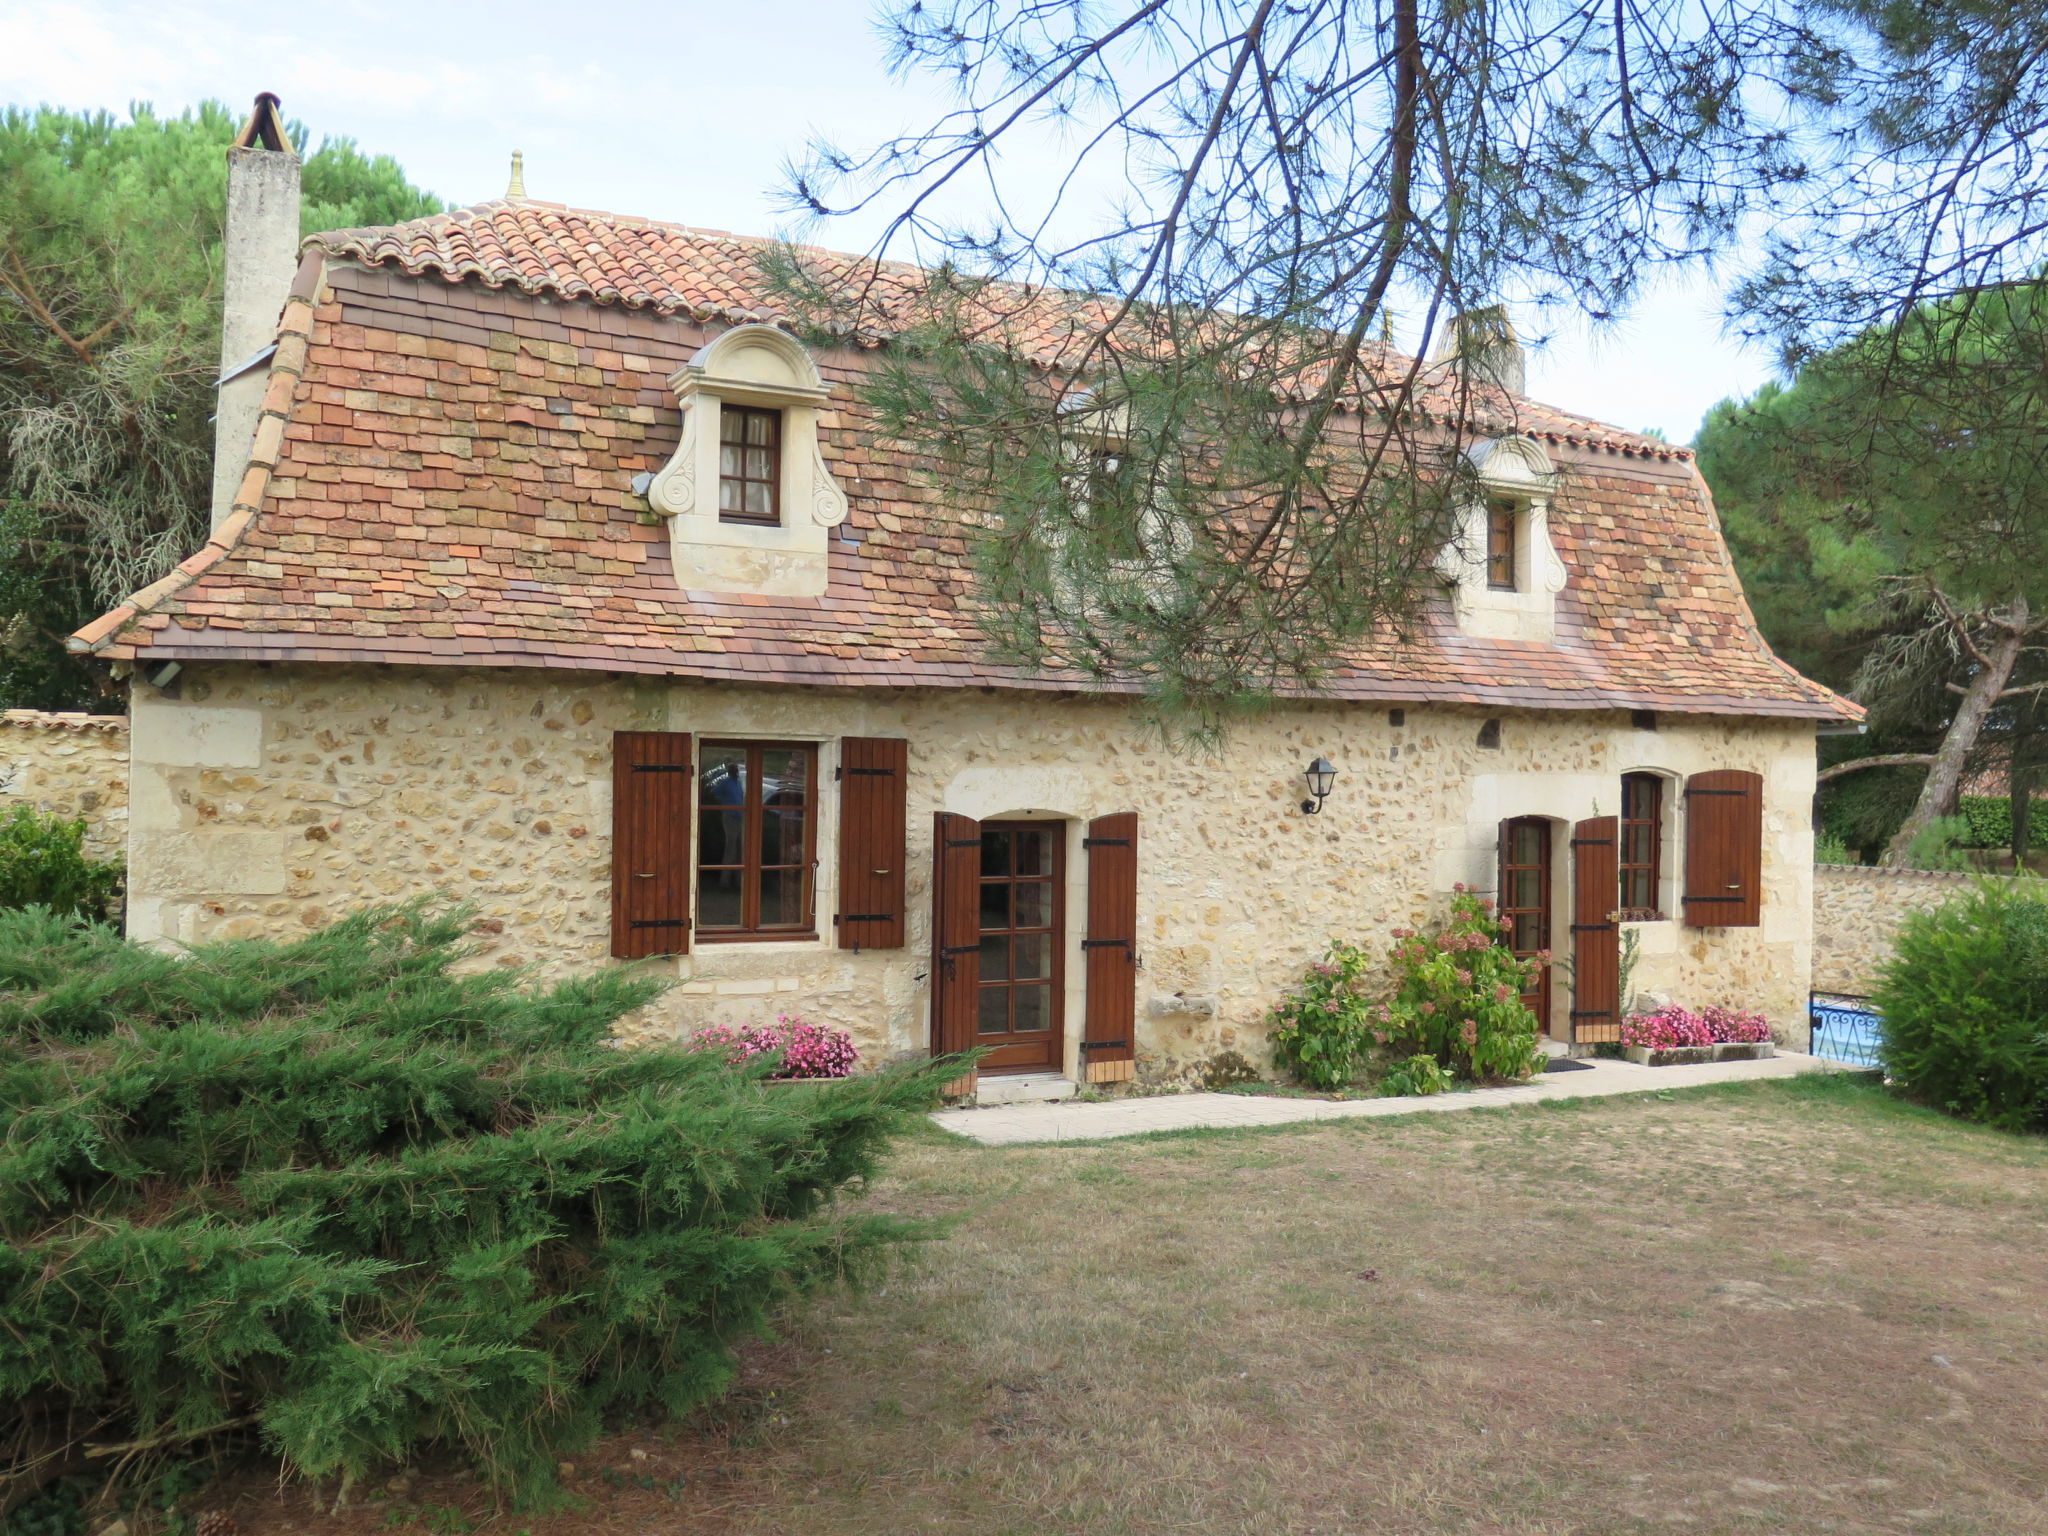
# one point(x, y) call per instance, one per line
point(1785, 1307)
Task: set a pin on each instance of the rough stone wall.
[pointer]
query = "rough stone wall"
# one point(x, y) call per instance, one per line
point(1857, 910)
point(69, 765)
point(270, 801)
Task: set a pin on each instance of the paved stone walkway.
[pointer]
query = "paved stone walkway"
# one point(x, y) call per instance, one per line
point(1011, 1124)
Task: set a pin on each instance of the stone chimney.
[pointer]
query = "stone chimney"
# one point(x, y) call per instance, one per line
point(1482, 342)
point(260, 257)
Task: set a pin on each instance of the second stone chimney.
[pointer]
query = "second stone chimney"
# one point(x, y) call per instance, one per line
point(1482, 342)
point(260, 257)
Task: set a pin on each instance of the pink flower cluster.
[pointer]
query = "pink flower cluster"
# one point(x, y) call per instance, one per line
point(1676, 1028)
point(808, 1050)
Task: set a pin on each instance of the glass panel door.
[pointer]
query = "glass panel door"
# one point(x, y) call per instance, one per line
point(1525, 900)
point(1018, 1017)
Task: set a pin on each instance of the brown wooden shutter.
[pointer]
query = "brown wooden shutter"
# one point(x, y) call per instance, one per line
point(1596, 936)
point(650, 843)
point(956, 936)
point(1724, 849)
point(1109, 1038)
point(873, 777)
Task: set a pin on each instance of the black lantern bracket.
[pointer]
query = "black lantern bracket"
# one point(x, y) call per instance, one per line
point(1321, 777)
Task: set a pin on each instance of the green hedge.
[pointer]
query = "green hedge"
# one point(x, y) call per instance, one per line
point(1965, 1005)
point(334, 1199)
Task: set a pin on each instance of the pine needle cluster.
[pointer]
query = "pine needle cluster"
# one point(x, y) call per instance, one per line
point(342, 1200)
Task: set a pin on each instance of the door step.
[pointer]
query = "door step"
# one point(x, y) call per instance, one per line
point(1023, 1088)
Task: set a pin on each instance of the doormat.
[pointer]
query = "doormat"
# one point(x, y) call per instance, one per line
point(1566, 1064)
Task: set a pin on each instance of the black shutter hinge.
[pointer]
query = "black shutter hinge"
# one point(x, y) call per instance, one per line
point(1592, 842)
point(1105, 1045)
point(1740, 794)
point(661, 767)
point(1105, 943)
point(658, 922)
point(960, 949)
point(963, 842)
point(1105, 842)
point(865, 917)
point(1592, 927)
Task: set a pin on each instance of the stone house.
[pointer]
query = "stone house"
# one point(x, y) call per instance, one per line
point(555, 574)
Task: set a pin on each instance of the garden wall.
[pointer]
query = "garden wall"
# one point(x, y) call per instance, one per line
point(1857, 910)
point(69, 765)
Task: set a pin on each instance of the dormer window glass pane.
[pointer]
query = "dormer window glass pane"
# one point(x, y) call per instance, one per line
point(749, 464)
point(1501, 574)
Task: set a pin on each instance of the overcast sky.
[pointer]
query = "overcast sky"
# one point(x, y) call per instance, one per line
point(683, 111)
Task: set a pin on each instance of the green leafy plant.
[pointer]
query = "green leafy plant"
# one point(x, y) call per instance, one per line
point(1419, 1074)
point(1964, 1000)
point(43, 863)
point(344, 1198)
point(1940, 845)
point(1326, 1029)
point(1458, 995)
point(1829, 848)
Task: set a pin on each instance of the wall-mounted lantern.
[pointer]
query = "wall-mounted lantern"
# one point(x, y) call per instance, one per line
point(1320, 775)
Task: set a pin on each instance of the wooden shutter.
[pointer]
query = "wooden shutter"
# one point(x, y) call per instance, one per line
point(956, 936)
point(1596, 936)
point(650, 843)
point(1109, 1038)
point(873, 776)
point(1724, 849)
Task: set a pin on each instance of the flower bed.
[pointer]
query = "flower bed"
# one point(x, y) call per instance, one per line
point(1676, 1036)
point(808, 1050)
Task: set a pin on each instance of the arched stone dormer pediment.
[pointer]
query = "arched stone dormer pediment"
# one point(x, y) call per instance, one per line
point(1513, 464)
point(749, 363)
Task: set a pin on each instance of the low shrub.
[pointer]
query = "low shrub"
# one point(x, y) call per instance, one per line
point(1964, 1000)
point(1326, 1029)
point(796, 1047)
point(1675, 1028)
point(43, 863)
point(1458, 996)
point(341, 1199)
point(1418, 1075)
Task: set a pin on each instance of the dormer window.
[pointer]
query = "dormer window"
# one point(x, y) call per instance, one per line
point(1502, 569)
point(749, 465)
point(753, 408)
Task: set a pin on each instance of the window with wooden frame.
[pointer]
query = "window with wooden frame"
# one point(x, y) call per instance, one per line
point(749, 464)
point(1502, 570)
point(1641, 861)
point(756, 840)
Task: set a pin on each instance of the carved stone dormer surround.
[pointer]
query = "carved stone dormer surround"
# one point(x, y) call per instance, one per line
point(756, 365)
point(1515, 470)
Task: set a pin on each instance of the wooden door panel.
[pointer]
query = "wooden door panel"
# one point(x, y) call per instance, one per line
point(1596, 936)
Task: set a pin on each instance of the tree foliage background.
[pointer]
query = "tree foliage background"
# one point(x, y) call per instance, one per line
point(1248, 198)
point(1889, 510)
point(110, 283)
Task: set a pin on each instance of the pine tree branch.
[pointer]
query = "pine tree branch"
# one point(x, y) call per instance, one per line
point(1885, 760)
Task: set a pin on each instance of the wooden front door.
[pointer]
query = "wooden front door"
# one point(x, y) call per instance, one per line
point(1017, 1004)
point(1525, 898)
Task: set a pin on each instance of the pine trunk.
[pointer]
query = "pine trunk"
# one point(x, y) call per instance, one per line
point(1945, 774)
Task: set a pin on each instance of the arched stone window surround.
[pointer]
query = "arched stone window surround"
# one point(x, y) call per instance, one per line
point(754, 365)
point(1517, 471)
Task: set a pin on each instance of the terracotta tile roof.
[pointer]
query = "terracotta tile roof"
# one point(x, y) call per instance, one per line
point(710, 275)
point(444, 470)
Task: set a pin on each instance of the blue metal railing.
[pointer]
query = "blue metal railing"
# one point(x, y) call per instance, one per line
point(1842, 1027)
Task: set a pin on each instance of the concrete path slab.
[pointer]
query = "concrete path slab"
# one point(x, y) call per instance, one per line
point(1013, 1124)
